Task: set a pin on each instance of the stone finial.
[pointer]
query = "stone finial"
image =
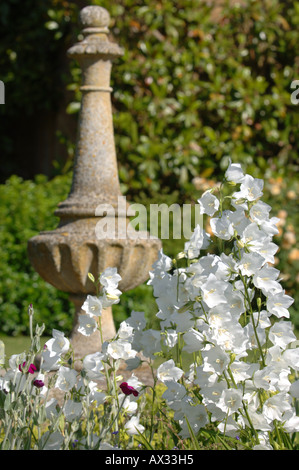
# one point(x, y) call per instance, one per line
point(95, 21)
point(94, 18)
point(65, 256)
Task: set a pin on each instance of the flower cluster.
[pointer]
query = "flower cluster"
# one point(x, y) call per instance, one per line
point(229, 312)
point(94, 305)
point(225, 315)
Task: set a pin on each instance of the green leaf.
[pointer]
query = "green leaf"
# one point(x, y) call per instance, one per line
point(192, 436)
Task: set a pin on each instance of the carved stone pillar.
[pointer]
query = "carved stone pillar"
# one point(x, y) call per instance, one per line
point(65, 256)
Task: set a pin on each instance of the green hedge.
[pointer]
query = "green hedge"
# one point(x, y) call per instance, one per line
point(192, 89)
point(195, 88)
point(26, 209)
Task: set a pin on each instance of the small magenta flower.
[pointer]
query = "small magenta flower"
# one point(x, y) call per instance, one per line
point(31, 368)
point(38, 383)
point(128, 390)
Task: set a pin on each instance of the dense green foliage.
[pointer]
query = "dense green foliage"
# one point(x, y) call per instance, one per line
point(26, 209)
point(193, 88)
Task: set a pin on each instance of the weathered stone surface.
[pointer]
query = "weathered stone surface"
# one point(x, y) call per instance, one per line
point(65, 256)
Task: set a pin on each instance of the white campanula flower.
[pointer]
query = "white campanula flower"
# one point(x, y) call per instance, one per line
point(259, 421)
point(242, 371)
point(66, 379)
point(171, 338)
point(125, 331)
point(281, 334)
point(197, 418)
point(256, 336)
point(213, 291)
point(222, 226)
point(51, 441)
point(59, 344)
point(292, 358)
point(266, 378)
point(294, 389)
point(110, 297)
point(262, 447)
point(129, 405)
point(137, 320)
point(199, 240)
point(120, 349)
point(133, 363)
point(133, 426)
point(93, 365)
point(234, 300)
point(175, 392)
point(51, 408)
point(234, 172)
point(212, 395)
point(262, 319)
point(87, 325)
point(270, 226)
point(92, 306)
point(205, 378)
point(265, 279)
point(250, 189)
point(250, 263)
point(110, 278)
point(259, 212)
point(169, 372)
point(275, 406)
point(215, 360)
point(151, 341)
point(193, 340)
point(268, 250)
point(230, 400)
point(182, 321)
point(209, 204)
point(161, 266)
point(72, 410)
point(134, 382)
point(94, 395)
point(238, 220)
point(49, 360)
point(274, 358)
point(278, 304)
point(253, 238)
point(290, 421)
point(230, 427)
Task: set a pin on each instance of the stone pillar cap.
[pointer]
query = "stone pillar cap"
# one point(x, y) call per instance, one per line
point(94, 17)
point(95, 21)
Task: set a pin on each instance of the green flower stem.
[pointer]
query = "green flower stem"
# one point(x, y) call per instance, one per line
point(252, 319)
point(250, 422)
point(114, 419)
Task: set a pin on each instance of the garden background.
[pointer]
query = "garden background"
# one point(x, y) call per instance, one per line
point(200, 82)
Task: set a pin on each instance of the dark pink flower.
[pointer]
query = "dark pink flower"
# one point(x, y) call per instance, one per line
point(31, 368)
point(38, 383)
point(128, 390)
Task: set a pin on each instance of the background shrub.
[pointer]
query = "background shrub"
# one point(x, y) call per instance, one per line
point(26, 209)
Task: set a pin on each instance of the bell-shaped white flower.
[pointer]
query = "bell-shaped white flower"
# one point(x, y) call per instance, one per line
point(169, 372)
point(209, 203)
point(92, 306)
